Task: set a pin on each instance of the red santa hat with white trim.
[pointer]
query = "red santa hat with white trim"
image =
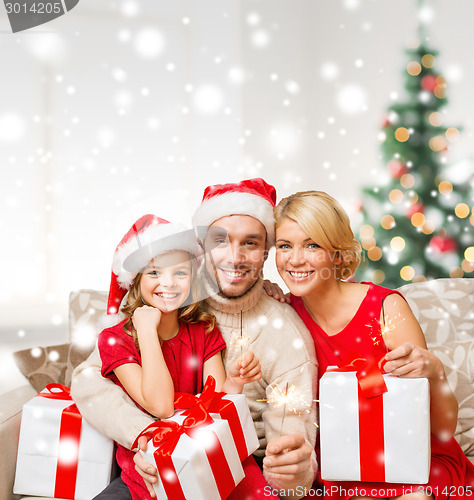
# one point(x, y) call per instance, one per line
point(148, 237)
point(253, 197)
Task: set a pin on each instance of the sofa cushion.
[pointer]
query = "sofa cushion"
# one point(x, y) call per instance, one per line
point(444, 308)
point(458, 361)
point(44, 365)
point(86, 308)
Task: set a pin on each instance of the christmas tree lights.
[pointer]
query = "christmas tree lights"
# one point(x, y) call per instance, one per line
point(420, 224)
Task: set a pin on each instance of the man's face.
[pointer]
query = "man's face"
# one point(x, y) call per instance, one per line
point(235, 253)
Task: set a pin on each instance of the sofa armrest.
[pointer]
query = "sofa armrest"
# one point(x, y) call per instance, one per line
point(11, 405)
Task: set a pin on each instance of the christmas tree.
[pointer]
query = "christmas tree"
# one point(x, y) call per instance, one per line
point(419, 225)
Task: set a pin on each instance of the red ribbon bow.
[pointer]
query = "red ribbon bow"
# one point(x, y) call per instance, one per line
point(165, 434)
point(213, 402)
point(70, 431)
point(368, 373)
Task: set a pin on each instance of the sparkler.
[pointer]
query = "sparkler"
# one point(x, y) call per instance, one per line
point(290, 399)
point(240, 342)
point(284, 410)
point(241, 337)
point(387, 326)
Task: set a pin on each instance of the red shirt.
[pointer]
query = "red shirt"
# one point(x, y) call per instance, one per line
point(184, 355)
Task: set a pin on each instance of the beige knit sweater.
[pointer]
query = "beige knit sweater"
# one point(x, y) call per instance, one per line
point(276, 335)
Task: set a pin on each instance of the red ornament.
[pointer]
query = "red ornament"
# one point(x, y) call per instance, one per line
point(415, 208)
point(385, 121)
point(428, 82)
point(397, 168)
point(443, 244)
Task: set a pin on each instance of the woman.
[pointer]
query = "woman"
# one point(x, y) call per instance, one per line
point(315, 252)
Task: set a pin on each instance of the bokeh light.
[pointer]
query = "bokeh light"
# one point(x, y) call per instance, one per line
point(418, 219)
point(387, 222)
point(462, 210)
point(396, 196)
point(414, 68)
point(445, 187)
point(402, 134)
point(428, 60)
point(407, 273)
point(397, 243)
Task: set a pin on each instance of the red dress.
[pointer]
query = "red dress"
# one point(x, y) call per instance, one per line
point(451, 471)
point(184, 355)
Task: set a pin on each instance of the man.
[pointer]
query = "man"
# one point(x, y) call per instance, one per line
point(235, 225)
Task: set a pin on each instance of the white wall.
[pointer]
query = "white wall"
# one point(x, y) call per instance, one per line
point(102, 120)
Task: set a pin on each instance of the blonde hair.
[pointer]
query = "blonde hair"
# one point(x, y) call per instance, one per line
point(324, 220)
point(190, 312)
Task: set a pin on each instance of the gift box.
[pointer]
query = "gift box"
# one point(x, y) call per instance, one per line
point(195, 456)
point(374, 435)
point(59, 454)
point(231, 407)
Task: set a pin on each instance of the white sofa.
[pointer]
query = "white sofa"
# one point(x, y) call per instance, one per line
point(444, 308)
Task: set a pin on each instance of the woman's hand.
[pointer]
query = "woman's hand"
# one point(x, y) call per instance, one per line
point(146, 317)
point(242, 371)
point(275, 291)
point(411, 361)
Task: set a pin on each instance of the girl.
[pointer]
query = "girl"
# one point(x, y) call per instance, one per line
point(315, 252)
point(166, 342)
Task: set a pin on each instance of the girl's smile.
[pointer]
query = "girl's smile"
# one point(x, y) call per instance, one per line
point(166, 281)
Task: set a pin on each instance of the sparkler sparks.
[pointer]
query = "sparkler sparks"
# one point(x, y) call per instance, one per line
point(240, 343)
point(289, 398)
point(387, 325)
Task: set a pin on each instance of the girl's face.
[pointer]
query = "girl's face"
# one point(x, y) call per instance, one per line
point(301, 262)
point(166, 281)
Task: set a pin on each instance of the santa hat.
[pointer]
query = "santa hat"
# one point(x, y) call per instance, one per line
point(252, 197)
point(148, 237)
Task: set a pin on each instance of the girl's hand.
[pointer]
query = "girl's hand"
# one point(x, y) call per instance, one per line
point(245, 370)
point(411, 361)
point(275, 291)
point(146, 317)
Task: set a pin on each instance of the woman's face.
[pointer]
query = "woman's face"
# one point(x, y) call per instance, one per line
point(166, 281)
point(301, 262)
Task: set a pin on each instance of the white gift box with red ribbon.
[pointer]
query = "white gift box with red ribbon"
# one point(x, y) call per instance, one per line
point(195, 457)
point(383, 438)
point(238, 406)
point(230, 407)
point(59, 454)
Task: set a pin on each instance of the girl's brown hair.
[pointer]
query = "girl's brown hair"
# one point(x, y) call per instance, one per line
point(191, 312)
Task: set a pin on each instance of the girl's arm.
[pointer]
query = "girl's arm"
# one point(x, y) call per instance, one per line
point(240, 372)
point(409, 357)
point(150, 385)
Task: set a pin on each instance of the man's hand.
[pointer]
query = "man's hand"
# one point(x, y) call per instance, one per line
point(146, 470)
point(287, 460)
